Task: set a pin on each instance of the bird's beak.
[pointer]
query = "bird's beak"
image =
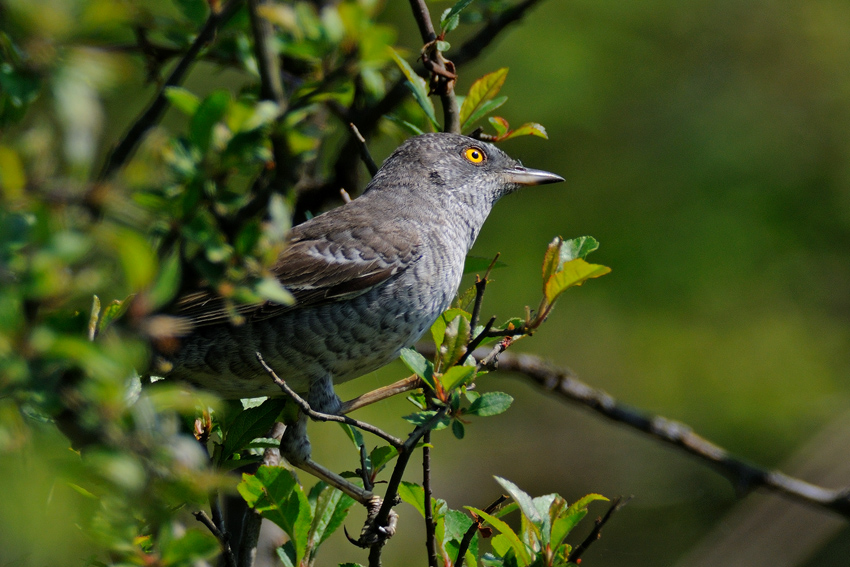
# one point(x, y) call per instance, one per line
point(525, 176)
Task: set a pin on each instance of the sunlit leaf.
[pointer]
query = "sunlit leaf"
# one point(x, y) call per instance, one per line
point(457, 375)
point(523, 553)
point(528, 129)
point(573, 273)
point(271, 289)
point(419, 366)
point(183, 100)
point(457, 336)
point(451, 17)
point(438, 329)
point(481, 92)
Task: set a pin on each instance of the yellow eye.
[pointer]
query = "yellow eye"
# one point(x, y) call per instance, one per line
point(474, 155)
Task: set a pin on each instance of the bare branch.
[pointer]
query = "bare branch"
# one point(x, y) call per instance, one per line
point(154, 112)
point(364, 150)
point(744, 476)
point(224, 541)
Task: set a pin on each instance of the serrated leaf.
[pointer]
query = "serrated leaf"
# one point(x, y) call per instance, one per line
point(456, 376)
point(482, 91)
point(418, 86)
point(419, 366)
point(573, 273)
point(490, 403)
point(250, 424)
point(450, 18)
point(183, 100)
point(522, 552)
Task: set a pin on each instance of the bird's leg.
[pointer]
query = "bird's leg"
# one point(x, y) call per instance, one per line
point(382, 393)
point(295, 445)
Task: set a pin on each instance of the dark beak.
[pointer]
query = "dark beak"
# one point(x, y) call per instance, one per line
point(525, 176)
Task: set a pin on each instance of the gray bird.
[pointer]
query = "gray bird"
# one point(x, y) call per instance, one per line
point(369, 278)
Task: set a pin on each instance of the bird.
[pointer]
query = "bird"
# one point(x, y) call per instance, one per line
point(368, 278)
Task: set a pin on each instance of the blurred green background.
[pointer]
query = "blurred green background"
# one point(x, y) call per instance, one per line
point(706, 146)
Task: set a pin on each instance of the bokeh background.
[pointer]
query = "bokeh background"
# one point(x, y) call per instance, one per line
point(706, 145)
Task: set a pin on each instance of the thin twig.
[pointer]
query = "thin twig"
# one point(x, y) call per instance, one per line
point(391, 495)
point(364, 150)
point(476, 525)
point(271, 87)
point(430, 526)
point(442, 70)
point(118, 157)
point(223, 540)
point(473, 344)
point(318, 416)
point(596, 533)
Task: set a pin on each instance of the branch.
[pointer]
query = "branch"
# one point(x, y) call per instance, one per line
point(744, 476)
point(476, 525)
point(154, 112)
point(224, 541)
point(442, 70)
point(596, 532)
point(318, 416)
point(430, 526)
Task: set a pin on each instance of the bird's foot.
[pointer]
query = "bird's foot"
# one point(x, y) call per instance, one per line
point(373, 533)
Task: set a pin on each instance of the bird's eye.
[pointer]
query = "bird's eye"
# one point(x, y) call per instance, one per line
point(474, 155)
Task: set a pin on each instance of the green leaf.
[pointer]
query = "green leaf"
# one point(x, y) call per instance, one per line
point(250, 424)
point(413, 494)
point(482, 91)
point(113, 311)
point(13, 178)
point(194, 10)
point(423, 417)
point(211, 111)
point(564, 524)
point(419, 366)
point(457, 376)
point(271, 289)
point(167, 282)
point(523, 499)
point(193, 546)
point(458, 429)
point(457, 336)
point(490, 403)
point(573, 273)
point(411, 128)
point(500, 125)
point(522, 552)
point(455, 525)
point(418, 86)
point(183, 100)
point(451, 17)
point(485, 109)
point(529, 128)
point(578, 248)
point(331, 508)
point(382, 455)
point(438, 329)
point(276, 495)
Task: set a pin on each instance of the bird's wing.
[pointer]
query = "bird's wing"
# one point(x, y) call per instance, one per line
point(319, 265)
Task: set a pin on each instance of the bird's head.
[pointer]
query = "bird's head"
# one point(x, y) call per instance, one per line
point(469, 170)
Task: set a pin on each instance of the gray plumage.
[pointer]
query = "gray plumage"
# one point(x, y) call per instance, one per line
point(369, 277)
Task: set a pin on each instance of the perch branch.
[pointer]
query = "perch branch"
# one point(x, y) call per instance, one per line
point(596, 532)
point(744, 476)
